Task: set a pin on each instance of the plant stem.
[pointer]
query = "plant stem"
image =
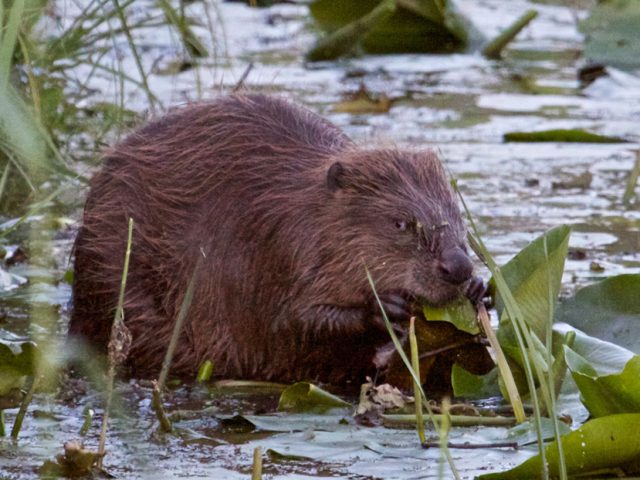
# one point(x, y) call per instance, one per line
point(407, 363)
point(503, 366)
point(344, 40)
point(118, 346)
point(494, 48)
point(415, 363)
point(17, 424)
point(632, 181)
point(136, 56)
point(256, 471)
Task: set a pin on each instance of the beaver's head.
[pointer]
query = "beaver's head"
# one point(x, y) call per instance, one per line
point(396, 213)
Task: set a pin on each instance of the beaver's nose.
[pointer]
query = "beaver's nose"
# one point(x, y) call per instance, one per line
point(455, 266)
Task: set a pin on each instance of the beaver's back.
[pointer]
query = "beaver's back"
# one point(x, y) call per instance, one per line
point(214, 180)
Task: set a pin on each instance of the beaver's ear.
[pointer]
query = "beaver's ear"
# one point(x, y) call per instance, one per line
point(335, 176)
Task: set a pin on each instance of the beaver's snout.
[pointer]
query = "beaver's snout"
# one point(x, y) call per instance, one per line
point(455, 266)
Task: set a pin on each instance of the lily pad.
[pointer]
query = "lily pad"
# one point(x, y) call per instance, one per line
point(600, 444)
point(560, 135)
point(306, 397)
point(612, 33)
point(606, 394)
point(609, 310)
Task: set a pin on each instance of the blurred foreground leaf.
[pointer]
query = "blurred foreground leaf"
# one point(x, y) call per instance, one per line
point(17, 361)
point(602, 444)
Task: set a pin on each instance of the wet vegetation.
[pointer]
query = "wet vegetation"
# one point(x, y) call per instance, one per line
point(540, 131)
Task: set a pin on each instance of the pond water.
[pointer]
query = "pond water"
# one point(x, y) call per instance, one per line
point(460, 104)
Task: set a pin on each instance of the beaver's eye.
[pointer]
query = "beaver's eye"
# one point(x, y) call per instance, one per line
point(401, 225)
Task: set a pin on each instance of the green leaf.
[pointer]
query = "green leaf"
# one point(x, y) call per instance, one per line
point(460, 313)
point(560, 135)
point(609, 310)
point(528, 275)
point(600, 444)
point(416, 26)
point(606, 394)
point(612, 33)
point(17, 361)
point(306, 397)
point(467, 385)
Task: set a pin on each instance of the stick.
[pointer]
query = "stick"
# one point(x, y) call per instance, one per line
point(494, 48)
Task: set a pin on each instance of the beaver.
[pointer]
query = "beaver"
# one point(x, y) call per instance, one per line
point(278, 214)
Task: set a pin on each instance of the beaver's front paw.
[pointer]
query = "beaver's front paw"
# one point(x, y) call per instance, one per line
point(476, 290)
point(397, 307)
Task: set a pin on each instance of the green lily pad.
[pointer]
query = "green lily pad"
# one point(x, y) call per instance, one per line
point(460, 313)
point(609, 310)
point(606, 394)
point(560, 135)
point(306, 397)
point(612, 33)
point(600, 444)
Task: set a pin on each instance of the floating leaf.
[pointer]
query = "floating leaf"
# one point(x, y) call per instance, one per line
point(306, 397)
point(612, 33)
point(609, 310)
point(560, 135)
point(606, 394)
point(363, 102)
point(604, 443)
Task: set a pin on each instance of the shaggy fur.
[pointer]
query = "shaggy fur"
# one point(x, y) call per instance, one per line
point(281, 212)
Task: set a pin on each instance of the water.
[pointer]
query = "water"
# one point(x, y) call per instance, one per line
point(460, 104)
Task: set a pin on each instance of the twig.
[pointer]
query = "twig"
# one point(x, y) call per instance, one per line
point(470, 446)
point(245, 74)
point(456, 420)
point(494, 48)
point(451, 346)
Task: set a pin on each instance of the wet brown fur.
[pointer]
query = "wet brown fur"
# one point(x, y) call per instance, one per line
point(281, 292)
